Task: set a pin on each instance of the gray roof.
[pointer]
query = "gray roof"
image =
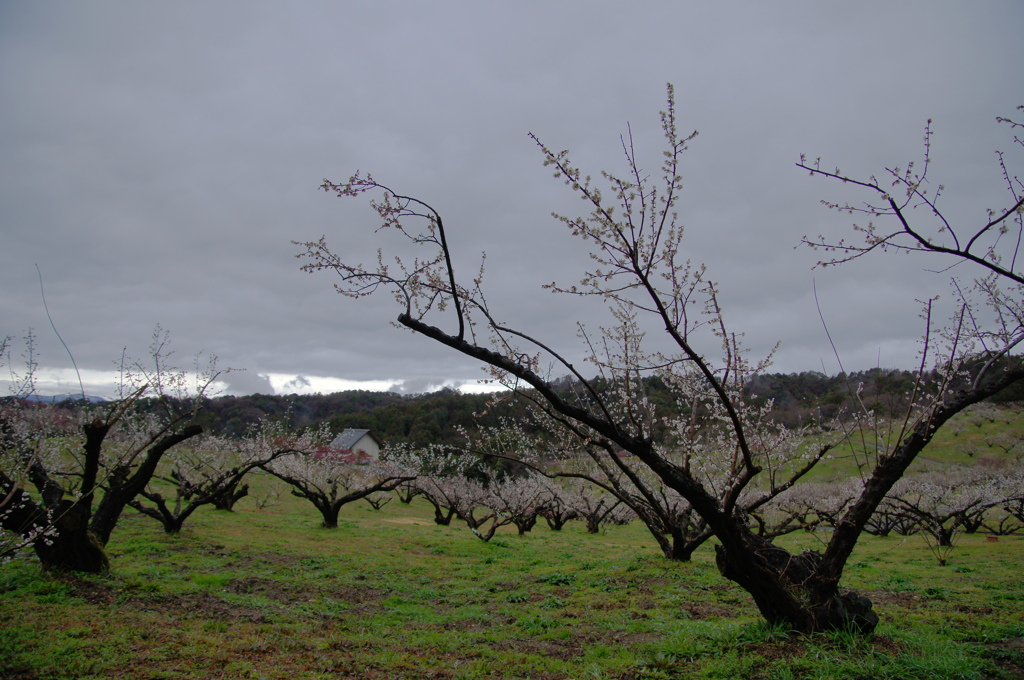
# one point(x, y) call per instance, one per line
point(348, 438)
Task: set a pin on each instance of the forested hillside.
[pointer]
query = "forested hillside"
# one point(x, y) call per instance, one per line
point(418, 419)
point(434, 418)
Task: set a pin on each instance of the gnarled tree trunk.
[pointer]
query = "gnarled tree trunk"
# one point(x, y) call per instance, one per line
point(59, 535)
point(71, 546)
point(792, 589)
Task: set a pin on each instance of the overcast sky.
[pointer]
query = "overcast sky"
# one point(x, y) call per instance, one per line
point(158, 159)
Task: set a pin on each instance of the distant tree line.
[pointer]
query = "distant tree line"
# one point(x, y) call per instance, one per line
point(435, 418)
point(420, 419)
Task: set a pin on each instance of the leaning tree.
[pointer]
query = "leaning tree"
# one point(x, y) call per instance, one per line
point(649, 286)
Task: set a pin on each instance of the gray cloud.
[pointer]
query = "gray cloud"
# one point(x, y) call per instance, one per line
point(245, 382)
point(298, 384)
point(157, 160)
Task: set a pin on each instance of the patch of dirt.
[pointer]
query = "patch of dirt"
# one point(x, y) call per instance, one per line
point(892, 597)
point(774, 651)
point(360, 596)
point(624, 639)
point(18, 675)
point(289, 594)
point(270, 589)
point(796, 645)
point(375, 671)
point(202, 604)
point(469, 625)
point(886, 645)
point(196, 604)
point(91, 592)
point(563, 650)
point(646, 603)
point(706, 610)
point(1008, 656)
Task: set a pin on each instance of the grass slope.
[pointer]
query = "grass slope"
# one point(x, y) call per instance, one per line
point(985, 435)
point(269, 594)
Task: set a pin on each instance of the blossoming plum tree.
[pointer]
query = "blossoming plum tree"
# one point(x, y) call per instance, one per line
point(727, 456)
point(332, 478)
point(207, 469)
point(88, 464)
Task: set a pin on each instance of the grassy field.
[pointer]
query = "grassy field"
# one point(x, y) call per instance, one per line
point(269, 594)
point(966, 440)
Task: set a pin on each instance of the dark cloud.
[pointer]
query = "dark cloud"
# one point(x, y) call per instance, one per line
point(156, 161)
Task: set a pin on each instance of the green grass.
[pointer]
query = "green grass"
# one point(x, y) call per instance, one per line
point(269, 594)
point(964, 440)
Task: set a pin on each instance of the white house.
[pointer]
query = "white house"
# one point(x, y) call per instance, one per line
point(358, 441)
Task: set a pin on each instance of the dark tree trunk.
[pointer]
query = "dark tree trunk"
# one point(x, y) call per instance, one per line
point(802, 591)
point(121, 489)
point(526, 523)
point(944, 537)
point(790, 589)
point(472, 521)
point(226, 499)
point(487, 534)
point(171, 520)
point(443, 518)
point(329, 511)
point(442, 515)
point(329, 504)
point(406, 492)
point(66, 544)
point(73, 547)
point(683, 545)
point(58, 529)
point(70, 546)
point(557, 520)
point(677, 541)
point(378, 503)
